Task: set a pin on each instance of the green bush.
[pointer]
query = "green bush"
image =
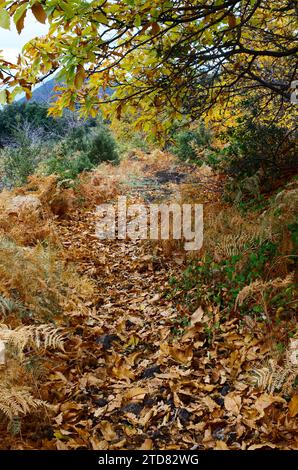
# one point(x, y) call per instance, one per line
point(268, 150)
point(65, 166)
point(219, 283)
point(20, 161)
point(18, 164)
point(97, 144)
point(82, 150)
point(187, 143)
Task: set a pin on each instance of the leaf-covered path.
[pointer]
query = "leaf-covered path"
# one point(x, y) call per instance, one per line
point(141, 369)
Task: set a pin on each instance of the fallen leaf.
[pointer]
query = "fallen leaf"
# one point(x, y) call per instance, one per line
point(107, 431)
point(293, 406)
point(264, 444)
point(196, 316)
point(211, 404)
point(147, 445)
point(232, 403)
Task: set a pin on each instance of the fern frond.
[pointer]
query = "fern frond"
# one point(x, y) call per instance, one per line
point(259, 286)
point(8, 306)
point(16, 402)
point(274, 377)
point(40, 336)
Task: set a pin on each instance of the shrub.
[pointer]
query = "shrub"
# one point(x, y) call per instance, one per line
point(188, 142)
point(81, 151)
point(266, 150)
point(97, 144)
point(102, 147)
point(67, 167)
point(18, 163)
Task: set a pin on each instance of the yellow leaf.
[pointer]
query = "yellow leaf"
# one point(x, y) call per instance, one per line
point(4, 19)
point(60, 436)
point(101, 18)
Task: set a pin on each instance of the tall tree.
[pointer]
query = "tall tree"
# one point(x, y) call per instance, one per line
point(162, 57)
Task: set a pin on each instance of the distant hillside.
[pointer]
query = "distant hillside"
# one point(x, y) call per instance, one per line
point(42, 94)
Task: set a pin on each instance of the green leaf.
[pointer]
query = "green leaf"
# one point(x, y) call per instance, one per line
point(4, 19)
point(3, 97)
point(138, 21)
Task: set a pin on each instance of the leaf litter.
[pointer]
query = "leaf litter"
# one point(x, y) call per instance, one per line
point(125, 381)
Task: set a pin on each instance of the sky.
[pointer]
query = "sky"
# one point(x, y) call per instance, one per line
point(11, 42)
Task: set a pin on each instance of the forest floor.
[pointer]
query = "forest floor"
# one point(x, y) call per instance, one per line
point(134, 374)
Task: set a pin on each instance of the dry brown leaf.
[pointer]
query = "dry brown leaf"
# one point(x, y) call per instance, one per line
point(98, 444)
point(266, 400)
point(293, 406)
point(197, 316)
point(264, 444)
point(107, 430)
point(233, 403)
point(138, 392)
point(211, 404)
point(147, 444)
point(221, 445)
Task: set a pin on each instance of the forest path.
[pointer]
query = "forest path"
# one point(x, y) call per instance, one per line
point(133, 353)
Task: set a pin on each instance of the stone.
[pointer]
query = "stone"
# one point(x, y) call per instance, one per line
point(19, 204)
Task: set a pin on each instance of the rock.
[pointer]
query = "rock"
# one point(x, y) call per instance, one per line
point(19, 204)
point(219, 434)
point(219, 400)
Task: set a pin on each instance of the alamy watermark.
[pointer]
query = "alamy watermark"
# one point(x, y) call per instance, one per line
point(151, 222)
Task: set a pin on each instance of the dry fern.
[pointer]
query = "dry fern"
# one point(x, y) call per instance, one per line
point(228, 233)
point(17, 401)
point(40, 336)
point(40, 280)
point(8, 306)
point(260, 286)
point(273, 377)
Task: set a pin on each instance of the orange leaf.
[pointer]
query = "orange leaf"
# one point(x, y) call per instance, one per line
point(155, 28)
point(232, 21)
point(80, 76)
point(20, 22)
point(293, 406)
point(39, 12)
